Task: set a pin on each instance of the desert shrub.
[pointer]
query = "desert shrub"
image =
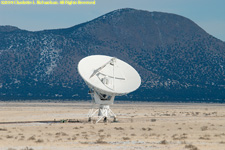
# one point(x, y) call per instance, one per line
point(205, 137)
point(100, 141)
point(119, 128)
point(163, 142)
point(61, 133)
point(126, 138)
point(191, 147)
point(3, 129)
point(39, 141)
point(31, 138)
point(9, 136)
point(27, 148)
point(153, 120)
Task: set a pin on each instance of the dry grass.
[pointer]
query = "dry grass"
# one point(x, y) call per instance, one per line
point(204, 128)
point(152, 132)
point(22, 138)
point(27, 148)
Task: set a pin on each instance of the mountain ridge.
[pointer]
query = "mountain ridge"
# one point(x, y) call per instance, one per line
point(176, 59)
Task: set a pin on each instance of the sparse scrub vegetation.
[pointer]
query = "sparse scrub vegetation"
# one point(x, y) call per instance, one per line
point(31, 138)
point(27, 148)
point(101, 130)
point(146, 129)
point(119, 128)
point(61, 133)
point(3, 129)
point(49, 134)
point(100, 142)
point(39, 141)
point(179, 137)
point(74, 138)
point(191, 147)
point(163, 142)
point(126, 138)
point(9, 136)
point(204, 128)
point(153, 120)
point(205, 137)
point(219, 135)
point(22, 138)
point(149, 129)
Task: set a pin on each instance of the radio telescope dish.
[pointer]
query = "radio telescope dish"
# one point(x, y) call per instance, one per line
point(107, 77)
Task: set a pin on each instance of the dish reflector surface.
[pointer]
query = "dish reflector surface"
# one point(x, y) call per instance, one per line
point(109, 75)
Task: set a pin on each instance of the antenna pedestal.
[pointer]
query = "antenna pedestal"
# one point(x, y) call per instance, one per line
point(99, 110)
point(103, 112)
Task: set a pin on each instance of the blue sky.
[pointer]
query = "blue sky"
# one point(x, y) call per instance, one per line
point(208, 14)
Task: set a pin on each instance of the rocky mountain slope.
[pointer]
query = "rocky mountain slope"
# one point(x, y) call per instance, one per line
point(177, 60)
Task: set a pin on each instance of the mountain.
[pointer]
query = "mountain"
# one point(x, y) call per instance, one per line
point(177, 60)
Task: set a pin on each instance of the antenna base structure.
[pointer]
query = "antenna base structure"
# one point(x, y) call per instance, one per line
point(100, 107)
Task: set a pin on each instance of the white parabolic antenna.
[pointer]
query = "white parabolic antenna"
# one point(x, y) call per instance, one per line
point(107, 77)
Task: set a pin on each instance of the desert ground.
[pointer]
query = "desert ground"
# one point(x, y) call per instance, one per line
point(141, 125)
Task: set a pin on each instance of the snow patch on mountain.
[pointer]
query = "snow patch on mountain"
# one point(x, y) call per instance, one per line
point(49, 57)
